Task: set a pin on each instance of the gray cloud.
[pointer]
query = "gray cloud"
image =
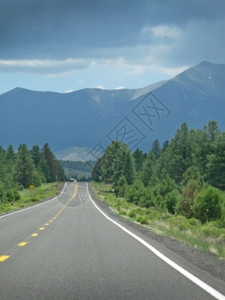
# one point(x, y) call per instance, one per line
point(165, 32)
point(47, 67)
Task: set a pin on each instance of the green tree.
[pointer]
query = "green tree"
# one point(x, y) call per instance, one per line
point(139, 158)
point(97, 170)
point(156, 149)
point(180, 153)
point(171, 200)
point(207, 205)
point(129, 168)
point(54, 171)
point(185, 203)
point(136, 192)
point(10, 154)
point(192, 173)
point(25, 171)
point(110, 163)
point(215, 168)
point(148, 169)
point(119, 162)
point(121, 186)
point(36, 155)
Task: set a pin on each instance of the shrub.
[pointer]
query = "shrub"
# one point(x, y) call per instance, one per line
point(194, 222)
point(180, 222)
point(171, 201)
point(135, 192)
point(142, 220)
point(207, 205)
point(122, 212)
point(210, 230)
point(120, 187)
point(132, 214)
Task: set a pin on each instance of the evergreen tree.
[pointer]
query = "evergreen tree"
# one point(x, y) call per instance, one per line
point(129, 168)
point(215, 168)
point(10, 154)
point(119, 162)
point(25, 171)
point(97, 170)
point(54, 170)
point(148, 169)
point(139, 158)
point(180, 153)
point(156, 149)
point(110, 162)
point(36, 155)
point(120, 187)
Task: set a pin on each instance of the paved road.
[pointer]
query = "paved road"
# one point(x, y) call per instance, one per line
point(67, 249)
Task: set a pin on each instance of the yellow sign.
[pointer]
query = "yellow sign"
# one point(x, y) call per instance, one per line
point(31, 186)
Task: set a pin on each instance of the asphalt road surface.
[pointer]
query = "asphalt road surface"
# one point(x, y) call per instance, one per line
point(66, 248)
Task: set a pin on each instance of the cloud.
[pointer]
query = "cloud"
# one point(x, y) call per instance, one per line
point(69, 91)
point(162, 32)
point(101, 87)
point(48, 67)
point(55, 38)
point(119, 88)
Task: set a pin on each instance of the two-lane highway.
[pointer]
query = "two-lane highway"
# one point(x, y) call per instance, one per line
point(66, 248)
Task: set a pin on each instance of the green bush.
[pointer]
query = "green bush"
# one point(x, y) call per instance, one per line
point(210, 230)
point(122, 212)
point(179, 222)
point(132, 213)
point(194, 222)
point(154, 214)
point(135, 191)
point(171, 201)
point(120, 187)
point(207, 205)
point(142, 220)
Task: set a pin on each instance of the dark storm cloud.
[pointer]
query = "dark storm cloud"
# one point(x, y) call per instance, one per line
point(62, 28)
point(35, 34)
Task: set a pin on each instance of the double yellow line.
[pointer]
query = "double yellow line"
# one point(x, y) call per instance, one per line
point(35, 234)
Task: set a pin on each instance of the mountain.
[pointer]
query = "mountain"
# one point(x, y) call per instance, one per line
point(91, 118)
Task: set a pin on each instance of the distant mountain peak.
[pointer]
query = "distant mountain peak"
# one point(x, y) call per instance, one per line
point(85, 117)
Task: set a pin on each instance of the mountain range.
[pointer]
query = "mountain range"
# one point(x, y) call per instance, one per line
point(81, 124)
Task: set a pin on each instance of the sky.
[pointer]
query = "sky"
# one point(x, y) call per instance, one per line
point(68, 45)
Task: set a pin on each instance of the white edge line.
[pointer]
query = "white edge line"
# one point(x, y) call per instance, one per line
point(33, 206)
point(178, 268)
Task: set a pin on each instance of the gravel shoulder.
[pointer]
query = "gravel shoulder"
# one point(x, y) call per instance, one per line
point(205, 261)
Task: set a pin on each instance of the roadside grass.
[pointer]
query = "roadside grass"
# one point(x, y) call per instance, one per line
point(207, 237)
point(29, 197)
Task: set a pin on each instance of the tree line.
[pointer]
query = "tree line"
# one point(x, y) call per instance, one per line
point(22, 168)
point(184, 176)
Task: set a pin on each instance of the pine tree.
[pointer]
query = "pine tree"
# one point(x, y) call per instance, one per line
point(25, 171)
point(139, 158)
point(215, 168)
point(129, 168)
point(156, 149)
point(53, 171)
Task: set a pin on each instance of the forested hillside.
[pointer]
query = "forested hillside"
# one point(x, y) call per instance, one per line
point(23, 168)
point(184, 176)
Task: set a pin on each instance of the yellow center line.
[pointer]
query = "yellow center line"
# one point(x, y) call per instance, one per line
point(34, 234)
point(4, 257)
point(22, 244)
point(73, 196)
